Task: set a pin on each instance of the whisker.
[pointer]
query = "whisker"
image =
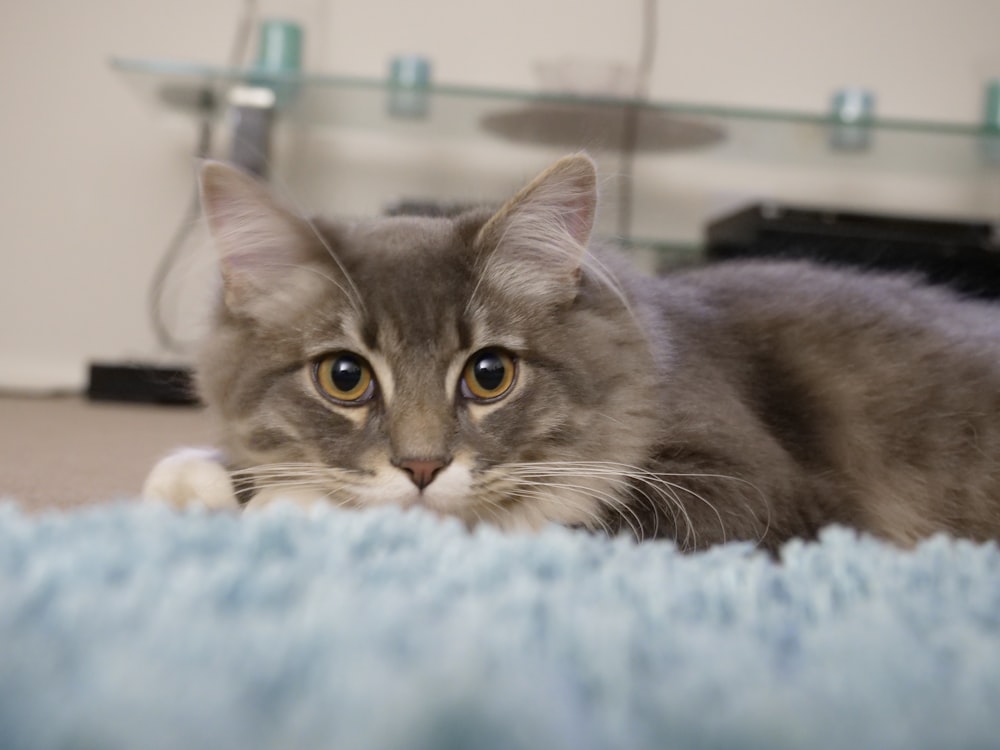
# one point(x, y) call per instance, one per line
point(602, 496)
point(608, 500)
point(357, 301)
point(329, 483)
point(621, 488)
point(352, 294)
point(533, 493)
point(501, 487)
point(657, 482)
point(348, 294)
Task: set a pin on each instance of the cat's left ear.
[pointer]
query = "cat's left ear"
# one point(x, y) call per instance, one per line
point(535, 245)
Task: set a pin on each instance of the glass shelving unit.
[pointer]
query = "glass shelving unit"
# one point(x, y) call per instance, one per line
point(559, 123)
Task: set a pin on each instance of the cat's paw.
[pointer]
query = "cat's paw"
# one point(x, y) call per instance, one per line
point(191, 477)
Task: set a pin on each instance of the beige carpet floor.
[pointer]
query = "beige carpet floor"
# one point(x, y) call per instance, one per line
point(65, 452)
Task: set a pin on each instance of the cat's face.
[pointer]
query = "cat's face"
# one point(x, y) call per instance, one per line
point(480, 367)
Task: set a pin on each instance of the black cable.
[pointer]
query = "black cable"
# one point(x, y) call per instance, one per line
point(207, 107)
point(631, 115)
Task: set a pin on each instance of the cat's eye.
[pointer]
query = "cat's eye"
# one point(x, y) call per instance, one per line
point(488, 375)
point(344, 378)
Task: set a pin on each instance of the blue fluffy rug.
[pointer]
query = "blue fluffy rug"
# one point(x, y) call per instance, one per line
point(136, 627)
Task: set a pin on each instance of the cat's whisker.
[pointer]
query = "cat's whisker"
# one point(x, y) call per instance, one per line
point(525, 491)
point(295, 468)
point(299, 466)
point(594, 520)
point(745, 503)
point(495, 511)
point(606, 498)
point(279, 472)
point(488, 504)
point(346, 293)
point(346, 502)
point(352, 294)
point(702, 499)
point(299, 490)
point(666, 495)
point(334, 485)
point(604, 275)
point(623, 473)
point(620, 504)
point(355, 298)
point(297, 475)
point(260, 483)
point(642, 493)
point(296, 482)
point(598, 467)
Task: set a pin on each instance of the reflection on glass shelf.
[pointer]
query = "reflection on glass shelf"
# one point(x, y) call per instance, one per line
point(572, 122)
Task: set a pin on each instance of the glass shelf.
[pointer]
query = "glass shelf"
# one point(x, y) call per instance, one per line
point(574, 122)
point(694, 159)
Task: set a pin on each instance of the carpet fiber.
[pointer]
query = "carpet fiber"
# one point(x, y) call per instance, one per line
point(123, 626)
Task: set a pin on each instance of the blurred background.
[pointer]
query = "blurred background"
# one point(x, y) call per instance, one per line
point(98, 158)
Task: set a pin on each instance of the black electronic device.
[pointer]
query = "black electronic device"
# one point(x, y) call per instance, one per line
point(962, 254)
point(142, 383)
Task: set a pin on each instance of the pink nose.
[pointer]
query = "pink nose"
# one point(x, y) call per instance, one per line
point(422, 471)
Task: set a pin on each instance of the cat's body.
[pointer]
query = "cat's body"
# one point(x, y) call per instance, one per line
point(489, 367)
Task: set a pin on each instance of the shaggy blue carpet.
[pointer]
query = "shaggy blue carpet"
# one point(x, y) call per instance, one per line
point(136, 627)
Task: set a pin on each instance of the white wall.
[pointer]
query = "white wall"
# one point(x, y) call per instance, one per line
point(93, 179)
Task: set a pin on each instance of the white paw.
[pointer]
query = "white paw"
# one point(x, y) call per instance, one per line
point(191, 477)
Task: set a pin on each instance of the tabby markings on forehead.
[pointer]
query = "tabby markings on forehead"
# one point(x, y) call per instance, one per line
point(344, 331)
point(483, 335)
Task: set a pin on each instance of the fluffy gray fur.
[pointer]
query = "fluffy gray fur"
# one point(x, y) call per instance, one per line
point(751, 401)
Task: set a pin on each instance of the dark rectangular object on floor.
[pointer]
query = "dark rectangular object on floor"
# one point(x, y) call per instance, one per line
point(961, 254)
point(141, 383)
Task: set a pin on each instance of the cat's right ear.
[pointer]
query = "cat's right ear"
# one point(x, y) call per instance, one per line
point(258, 240)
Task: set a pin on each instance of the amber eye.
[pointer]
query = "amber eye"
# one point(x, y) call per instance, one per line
point(488, 375)
point(344, 378)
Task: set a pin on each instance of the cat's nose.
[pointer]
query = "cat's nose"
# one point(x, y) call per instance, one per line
point(422, 471)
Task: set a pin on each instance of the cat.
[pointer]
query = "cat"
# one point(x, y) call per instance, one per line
point(499, 367)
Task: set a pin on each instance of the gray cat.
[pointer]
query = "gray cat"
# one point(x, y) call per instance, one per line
point(496, 368)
